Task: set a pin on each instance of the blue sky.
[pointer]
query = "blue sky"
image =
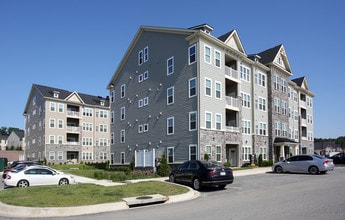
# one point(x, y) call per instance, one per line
point(77, 44)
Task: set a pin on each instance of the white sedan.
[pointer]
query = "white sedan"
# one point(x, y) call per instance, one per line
point(37, 176)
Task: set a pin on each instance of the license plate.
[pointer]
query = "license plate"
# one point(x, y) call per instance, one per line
point(222, 173)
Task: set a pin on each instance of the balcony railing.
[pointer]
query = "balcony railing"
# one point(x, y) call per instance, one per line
point(73, 129)
point(231, 73)
point(72, 113)
point(233, 129)
point(232, 101)
point(73, 143)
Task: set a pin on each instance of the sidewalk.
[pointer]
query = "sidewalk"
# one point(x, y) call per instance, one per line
point(22, 212)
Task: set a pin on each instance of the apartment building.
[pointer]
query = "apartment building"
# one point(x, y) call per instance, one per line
point(66, 127)
point(186, 93)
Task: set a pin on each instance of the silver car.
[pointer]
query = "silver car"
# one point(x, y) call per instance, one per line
point(304, 163)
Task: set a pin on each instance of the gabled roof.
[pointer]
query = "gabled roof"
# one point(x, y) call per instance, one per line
point(270, 56)
point(64, 95)
point(232, 40)
point(48, 92)
point(19, 133)
point(302, 83)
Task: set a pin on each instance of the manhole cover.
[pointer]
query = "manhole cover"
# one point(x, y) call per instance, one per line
point(144, 197)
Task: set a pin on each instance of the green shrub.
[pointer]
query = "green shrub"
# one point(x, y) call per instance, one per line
point(227, 164)
point(206, 157)
point(260, 160)
point(163, 168)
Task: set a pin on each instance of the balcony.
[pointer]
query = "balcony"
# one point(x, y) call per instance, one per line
point(73, 129)
point(73, 114)
point(232, 102)
point(74, 143)
point(232, 74)
point(232, 129)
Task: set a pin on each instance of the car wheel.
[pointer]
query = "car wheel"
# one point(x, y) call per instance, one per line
point(23, 183)
point(221, 186)
point(172, 178)
point(196, 184)
point(278, 169)
point(313, 170)
point(63, 181)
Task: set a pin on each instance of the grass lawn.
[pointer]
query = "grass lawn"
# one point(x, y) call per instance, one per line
point(84, 194)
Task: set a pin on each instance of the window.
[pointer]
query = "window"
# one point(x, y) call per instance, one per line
point(261, 129)
point(246, 124)
point(51, 155)
point(170, 66)
point(208, 151)
point(87, 141)
point(276, 105)
point(103, 128)
point(52, 106)
point(60, 139)
point(170, 125)
point(262, 104)
point(123, 90)
point(170, 95)
point(245, 100)
point(284, 130)
point(146, 127)
point(146, 101)
point(123, 113)
point(140, 103)
point(284, 85)
point(88, 112)
point(218, 90)
point(207, 54)
point(140, 78)
point(192, 54)
point(122, 157)
point(192, 152)
point(284, 108)
point(52, 123)
point(246, 151)
point(192, 121)
point(112, 96)
point(146, 75)
point(244, 73)
point(263, 152)
point(122, 136)
point(60, 107)
point(60, 123)
point(146, 54)
point(170, 154)
point(103, 114)
point(51, 139)
point(262, 79)
point(112, 135)
point(208, 120)
point(60, 155)
point(140, 57)
point(277, 128)
point(218, 121)
point(217, 58)
point(208, 87)
point(219, 153)
point(276, 82)
point(192, 87)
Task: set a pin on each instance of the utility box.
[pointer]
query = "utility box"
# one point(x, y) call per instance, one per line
point(3, 164)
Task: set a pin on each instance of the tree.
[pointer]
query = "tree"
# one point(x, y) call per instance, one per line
point(163, 168)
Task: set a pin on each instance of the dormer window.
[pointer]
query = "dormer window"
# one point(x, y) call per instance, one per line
point(56, 94)
point(102, 103)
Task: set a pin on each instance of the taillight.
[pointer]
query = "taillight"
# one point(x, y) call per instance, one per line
point(212, 172)
point(325, 162)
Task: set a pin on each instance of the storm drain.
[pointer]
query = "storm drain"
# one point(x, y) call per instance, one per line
point(145, 200)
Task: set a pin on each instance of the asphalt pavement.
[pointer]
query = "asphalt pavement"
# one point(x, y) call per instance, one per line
point(19, 211)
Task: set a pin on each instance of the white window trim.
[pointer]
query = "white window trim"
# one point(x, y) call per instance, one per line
point(220, 91)
point(205, 54)
point(173, 125)
point(173, 95)
point(215, 59)
point(207, 121)
point(189, 88)
point(196, 121)
point(206, 79)
point(189, 54)
point(173, 66)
